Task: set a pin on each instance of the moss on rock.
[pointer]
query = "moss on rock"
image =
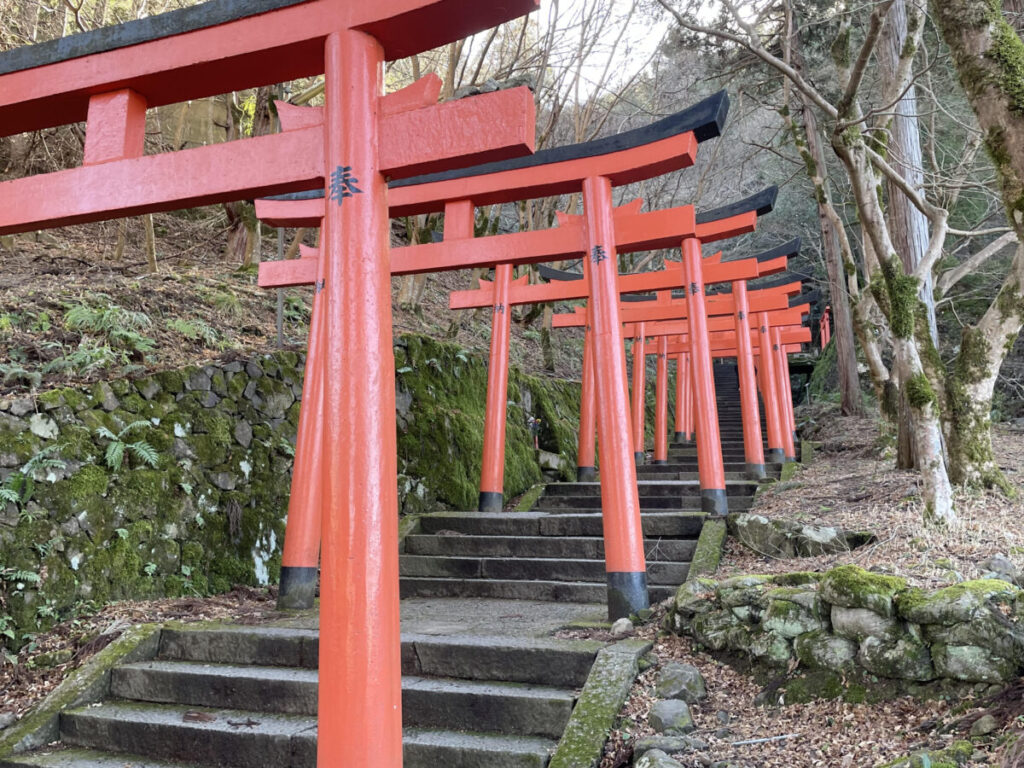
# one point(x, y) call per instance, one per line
point(853, 587)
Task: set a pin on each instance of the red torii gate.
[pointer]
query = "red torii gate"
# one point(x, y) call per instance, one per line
point(741, 333)
point(659, 306)
point(724, 310)
point(504, 293)
point(110, 76)
point(667, 145)
point(712, 486)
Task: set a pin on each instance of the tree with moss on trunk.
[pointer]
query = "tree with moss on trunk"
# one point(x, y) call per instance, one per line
point(874, 52)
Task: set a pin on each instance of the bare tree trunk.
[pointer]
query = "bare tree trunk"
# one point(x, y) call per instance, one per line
point(147, 221)
point(987, 52)
point(908, 226)
point(810, 147)
point(122, 239)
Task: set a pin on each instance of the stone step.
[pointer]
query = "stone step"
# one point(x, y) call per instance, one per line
point(733, 470)
point(560, 506)
point(283, 690)
point(461, 705)
point(471, 657)
point(280, 741)
point(565, 523)
point(430, 749)
point(650, 490)
point(85, 758)
point(233, 738)
point(430, 566)
point(584, 547)
point(545, 591)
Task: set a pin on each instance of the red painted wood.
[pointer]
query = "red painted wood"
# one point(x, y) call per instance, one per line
point(769, 384)
point(360, 693)
point(682, 392)
point(753, 448)
point(302, 531)
point(661, 402)
point(585, 454)
point(711, 468)
point(785, 394)
point(116, 127)
point(623, 167)
point(287, 162)
point(492, 479)
point(620, 503)
point(273, 47)
point(639, 405)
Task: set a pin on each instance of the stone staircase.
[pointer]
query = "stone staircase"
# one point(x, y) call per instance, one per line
point(247, 696)
point(484, 683)
point(556, 552)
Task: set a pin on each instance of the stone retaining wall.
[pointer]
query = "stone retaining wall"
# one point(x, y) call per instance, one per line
point(857, 626)
point(211, 513)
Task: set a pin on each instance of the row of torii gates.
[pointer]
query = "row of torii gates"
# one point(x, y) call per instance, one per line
point(368, 157)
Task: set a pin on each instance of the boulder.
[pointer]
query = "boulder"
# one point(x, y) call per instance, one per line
point(789, 619)
point(984, 725)
point(820, 649)
point(762, 535)
point(851, 587)
point(770, 647)
point(985, 630)
point(621, 628)
point(671, 745)
point(681, 681)
point(696, 596)
point(712, 629)
point(903, 659)
point(858, 623)
point(956, 604)
point(655, 758)
point(972, 663)
point(671, 717)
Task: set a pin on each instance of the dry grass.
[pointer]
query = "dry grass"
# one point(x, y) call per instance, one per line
point(852, 484)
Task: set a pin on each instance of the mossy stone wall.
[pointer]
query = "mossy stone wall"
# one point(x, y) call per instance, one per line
point(212, 512)
point(847, 629)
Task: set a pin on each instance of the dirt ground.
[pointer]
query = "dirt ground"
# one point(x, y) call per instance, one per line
point(852, 484)
point(23, 682)
point(196, 307)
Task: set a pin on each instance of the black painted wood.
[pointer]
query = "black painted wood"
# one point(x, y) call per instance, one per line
point(763, 202)
point(208, 14)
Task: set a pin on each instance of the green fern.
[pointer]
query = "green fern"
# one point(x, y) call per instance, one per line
point(119, 446)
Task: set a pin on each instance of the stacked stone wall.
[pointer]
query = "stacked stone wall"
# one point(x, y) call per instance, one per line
point(211, 512)
point(854, 628)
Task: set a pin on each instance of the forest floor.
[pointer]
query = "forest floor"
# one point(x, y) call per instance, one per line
point(199, 308)
point(851, 484)
point(70, 314)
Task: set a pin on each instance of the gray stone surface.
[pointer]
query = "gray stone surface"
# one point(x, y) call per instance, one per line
point(858, 623)
point(681, 681)
point(671, 717)
point(672, 745)
point(621, 628)
point(655, 758)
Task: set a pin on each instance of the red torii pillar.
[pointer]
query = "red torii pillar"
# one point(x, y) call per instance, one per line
point(661, 404)
point(769, 392)
point(785, 395)
point(639, 395)
point(492, 473)
point(709, 440)
point(683, 389)
point(752, 440)
point(586, 463)
point(624, 552)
